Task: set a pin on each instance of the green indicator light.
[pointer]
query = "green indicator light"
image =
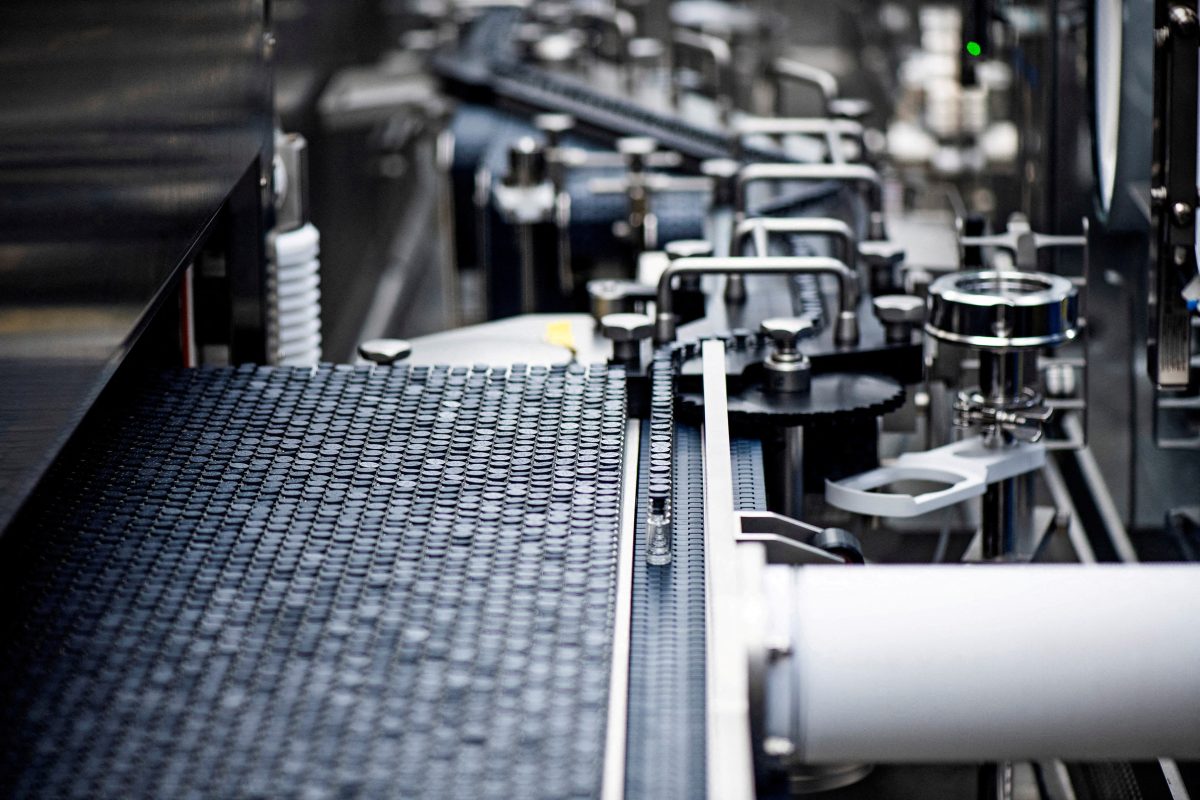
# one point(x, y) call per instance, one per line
point(973, 48)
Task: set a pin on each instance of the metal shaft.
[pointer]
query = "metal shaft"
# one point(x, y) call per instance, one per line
point(1007, 514)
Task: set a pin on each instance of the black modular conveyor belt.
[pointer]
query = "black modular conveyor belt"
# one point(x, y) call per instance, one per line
point(665, 745)
point(265, 583)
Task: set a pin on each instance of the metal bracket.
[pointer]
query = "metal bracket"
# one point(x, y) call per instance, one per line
point(783, 538)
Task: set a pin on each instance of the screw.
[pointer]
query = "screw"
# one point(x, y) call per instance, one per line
point(688, 248)
point(787, 368)
point(899, 313)
point(626, 332)
point(1182, 213)
point(385, 351)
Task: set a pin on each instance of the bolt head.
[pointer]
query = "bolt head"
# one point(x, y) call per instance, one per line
point(850, 108)
point(787, 330)
point(554, 123)
point(636, 146)
point(626, 327)
point(689, 248)
point(881, 253)
point(385, 351)
point(893, 309)
point(720, 167)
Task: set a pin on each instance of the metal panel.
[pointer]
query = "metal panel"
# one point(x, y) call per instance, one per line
point(123, 128)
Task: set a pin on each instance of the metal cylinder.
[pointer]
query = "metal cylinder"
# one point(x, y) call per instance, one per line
point(913, 664)
point(1006, 520)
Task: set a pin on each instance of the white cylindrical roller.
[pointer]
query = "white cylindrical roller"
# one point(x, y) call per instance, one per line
point(990, 663)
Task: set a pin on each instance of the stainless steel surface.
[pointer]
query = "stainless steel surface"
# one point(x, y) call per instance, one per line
point(1008, 527)
point(123, 128)
point(992, 309)
point(793, 471)
point(613, 781)
point(729, 759)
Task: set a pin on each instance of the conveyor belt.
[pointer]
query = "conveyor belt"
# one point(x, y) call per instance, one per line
point(665, 754)
point(270, 583)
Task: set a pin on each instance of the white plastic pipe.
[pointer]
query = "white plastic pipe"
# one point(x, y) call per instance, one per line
point(988, 663)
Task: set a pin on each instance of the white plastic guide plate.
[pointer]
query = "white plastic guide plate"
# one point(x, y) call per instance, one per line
point(968, 466)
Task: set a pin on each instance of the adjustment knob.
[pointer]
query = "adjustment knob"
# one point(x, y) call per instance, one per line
point(787, 331)
point(554, 125)
point(626, 332)
point(787, 368)
point(688, 248)
point(899, 313)
point(882, 260)
point(385, 351)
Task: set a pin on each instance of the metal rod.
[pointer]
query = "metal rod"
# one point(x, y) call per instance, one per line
point(842, 173)
point(762, 265)
point(825, 227)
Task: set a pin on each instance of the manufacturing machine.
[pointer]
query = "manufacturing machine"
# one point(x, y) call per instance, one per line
point(600, 399)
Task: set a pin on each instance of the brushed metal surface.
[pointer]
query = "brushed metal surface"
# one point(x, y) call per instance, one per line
point(123, 127)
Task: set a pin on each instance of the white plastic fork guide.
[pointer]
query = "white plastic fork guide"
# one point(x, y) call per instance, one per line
point(968, 466)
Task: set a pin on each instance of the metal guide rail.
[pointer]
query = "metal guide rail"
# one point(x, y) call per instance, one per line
point(321, 583)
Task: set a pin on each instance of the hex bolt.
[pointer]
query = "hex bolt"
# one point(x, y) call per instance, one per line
point(385, 351)
point(626, 332)
point(882, 260)
point(606, 297)
point(688, 248)
point(788, 370)
point(899, 313)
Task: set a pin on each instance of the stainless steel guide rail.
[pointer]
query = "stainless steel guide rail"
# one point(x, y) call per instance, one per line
point(730, 752)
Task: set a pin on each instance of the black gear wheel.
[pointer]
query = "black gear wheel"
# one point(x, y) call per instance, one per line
point(833, 399)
